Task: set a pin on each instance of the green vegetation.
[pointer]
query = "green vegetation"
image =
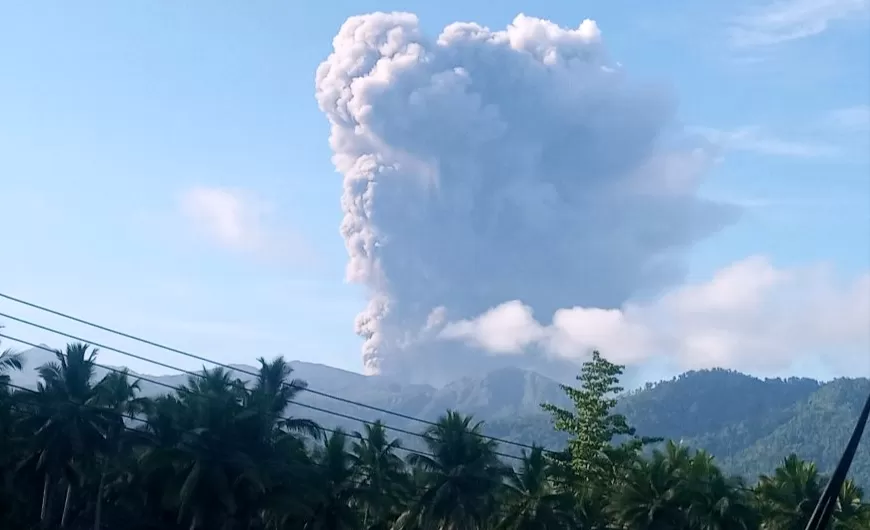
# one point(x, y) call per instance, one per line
point(220, 454)
point(747, 423)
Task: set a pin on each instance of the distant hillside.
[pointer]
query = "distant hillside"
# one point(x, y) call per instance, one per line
point(817, 430)
point(749, 424)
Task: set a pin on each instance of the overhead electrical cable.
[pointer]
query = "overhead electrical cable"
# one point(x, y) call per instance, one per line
point(201, 358)
point(203, 375)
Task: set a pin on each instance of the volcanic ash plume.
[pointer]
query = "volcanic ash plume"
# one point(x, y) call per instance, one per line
point(487, 166)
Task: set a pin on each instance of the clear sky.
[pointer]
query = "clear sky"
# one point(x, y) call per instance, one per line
point(165, 169)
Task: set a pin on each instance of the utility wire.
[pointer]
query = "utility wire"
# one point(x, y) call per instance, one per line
point(222, 365)
point(26, 407)
point(146, 423)
point(202, 375)
point(284, 465)
point(183, 390)
point(280, 464)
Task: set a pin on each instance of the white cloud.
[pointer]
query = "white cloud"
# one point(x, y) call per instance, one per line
point(849, 119)
point(753, 139)
point(787, 20)
point(503, 329)
point(233, 219)
point(748, 316)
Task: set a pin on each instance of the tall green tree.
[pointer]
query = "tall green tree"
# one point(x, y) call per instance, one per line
point(601, 442)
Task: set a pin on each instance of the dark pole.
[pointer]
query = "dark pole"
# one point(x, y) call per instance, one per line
point(825, 507)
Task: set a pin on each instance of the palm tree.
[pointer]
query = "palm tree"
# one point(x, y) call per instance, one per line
point(9, 360)
point(531, 499)
point(462, 477)
point(215, 465)
point(272, 393)
point(851, 513)
point(717, 502)
point(291, 499)
point(653, 495)
point(68, 424)
point(338, 489)
point(788, 497)
point(156, 476)
point(382, 480)
point(269, 436)
point(118, 395)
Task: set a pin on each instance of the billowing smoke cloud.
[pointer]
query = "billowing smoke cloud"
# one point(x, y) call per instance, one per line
point(748, 316)
point(487, 166)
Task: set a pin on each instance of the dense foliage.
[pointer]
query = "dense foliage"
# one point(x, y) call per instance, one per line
point(219, 454)
point(747, 423)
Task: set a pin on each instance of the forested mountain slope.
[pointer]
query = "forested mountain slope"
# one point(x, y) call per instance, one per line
point(749, 424)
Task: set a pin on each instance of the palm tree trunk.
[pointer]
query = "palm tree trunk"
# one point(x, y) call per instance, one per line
point(98, 515)
point(66, 505)
point(115, 450)
point(43, 514)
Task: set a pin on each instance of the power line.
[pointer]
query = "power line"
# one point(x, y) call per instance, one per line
point(283, 464)
point(200, 396)
point(144, 422)
point(147, 423)
point(183, 390)
point(202, 375)
point(222, 365)
point(178, 430)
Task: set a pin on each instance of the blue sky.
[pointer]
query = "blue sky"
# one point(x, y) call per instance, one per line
point(111, 113)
